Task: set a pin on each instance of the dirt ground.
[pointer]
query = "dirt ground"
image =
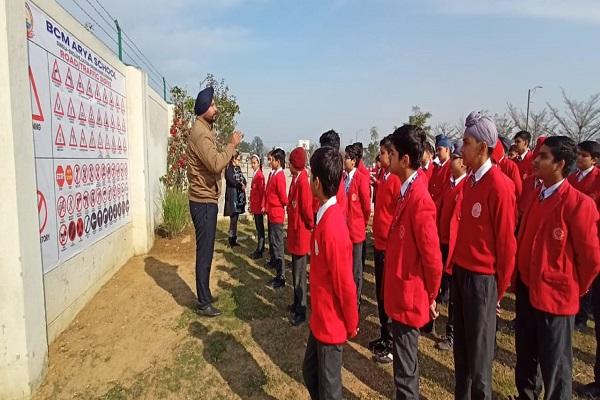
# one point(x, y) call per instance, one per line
point(140, 339)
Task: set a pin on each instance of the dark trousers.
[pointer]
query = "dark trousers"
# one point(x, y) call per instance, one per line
point(384, 321)
point(233, 222)
point(322, 370)
point(276, 248)
point(475, 298)
point(596, 309)
point(543, 345)
point(299, 277)
point(585, 309)
point(204, 217)
point(357, 268)
point(447, 281)
point(445, 284)
point(406, 363)
point(259, 224)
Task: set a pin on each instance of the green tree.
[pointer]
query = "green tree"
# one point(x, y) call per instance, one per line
point(420, 119)
point(227, 106)
point(373, 147)
point(258, 147)
point(245, 147)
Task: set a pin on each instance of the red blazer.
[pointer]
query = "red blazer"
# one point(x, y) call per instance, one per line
point(440, 178)
point(358, 209)
point(257, 193)
point(388, 191)
point(447, 207)
point(276, 198)
point(564, 256)
point(300, 215)
point(427, 172)
point(589, 185)
point(482, 231)
point(333, 300)
point(531, 190)
point(526, 165)
point(511, 170)
point(413, 261)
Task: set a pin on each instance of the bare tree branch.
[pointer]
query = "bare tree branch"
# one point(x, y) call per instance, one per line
point(581, 120)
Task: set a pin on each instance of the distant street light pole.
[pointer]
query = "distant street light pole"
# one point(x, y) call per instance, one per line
point(529, 93)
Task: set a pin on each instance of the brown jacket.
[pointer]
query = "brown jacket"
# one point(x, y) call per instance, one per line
point(205, 163)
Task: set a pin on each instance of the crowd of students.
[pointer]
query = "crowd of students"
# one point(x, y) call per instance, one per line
point(459, 223)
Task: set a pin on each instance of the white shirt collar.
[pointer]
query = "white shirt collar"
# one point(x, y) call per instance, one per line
point(482, 170)
point(547, 192)
point(273, 173)
point(351, 174)
point(426, 166)
point(585, 172)
point(386, 175)
point(441, 164)
point(521, 157)
point(436, 160)
point(457, 180)
point(331, 201)
point(406, 184)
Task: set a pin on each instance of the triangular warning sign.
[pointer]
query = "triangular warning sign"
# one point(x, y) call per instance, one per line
point(73, 139)
point(119, 145)
point(60, 137)
point(69, 79)
point(89, 91)
point(111, 101)
point(71, 109)
point(97, 95)
point(35, 103)
point(99, 118)
point(114, 147)
point(92, 144)
point(82, 141)
point(99, 140)
point(106, 119)
point(124, 146)
point(118, 124)
point(91, 116)
point(117, 106)
point(82, 113)
point(80, 87)
point(106, 143)
point(105, 97)
point(58, 108)
point(112, 121)
point(56, 73)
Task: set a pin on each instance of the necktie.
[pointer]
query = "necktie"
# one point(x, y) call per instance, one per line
point(473, 180)
point(579, 176)
point(347, 182)
point(541, 196)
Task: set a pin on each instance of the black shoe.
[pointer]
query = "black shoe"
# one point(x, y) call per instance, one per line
point(256, 255)
point(298, 319)
point(590, 390)
point(445, 345)
point(580, 326)
point(377, 344)
point(291, 308)
point(209, 311)
point(384, 357)
point(233, 241)
point(277, 283)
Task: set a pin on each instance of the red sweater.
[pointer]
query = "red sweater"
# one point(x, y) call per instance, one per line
point(526, 165)
point(413, 261)
point(300, 215)
point(559, 255)
point(276, 198)
point(358, 208)
point(447, 210)
point(511, 170)
point(333, 300)
point(531, 190)
point(257, 193)
point(429, 171)
point(388, 191)
point(439, 182)
point(589, 185)
point(483, 239)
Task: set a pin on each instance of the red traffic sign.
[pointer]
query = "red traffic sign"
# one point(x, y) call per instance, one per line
point(69, 175)
point(61, 206)
point(72, 231)
point(62, 235)
point(60, 176)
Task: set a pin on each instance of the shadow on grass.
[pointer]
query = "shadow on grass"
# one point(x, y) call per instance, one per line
point(166, 276)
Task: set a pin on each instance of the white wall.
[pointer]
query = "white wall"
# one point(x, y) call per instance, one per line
point(35, 308)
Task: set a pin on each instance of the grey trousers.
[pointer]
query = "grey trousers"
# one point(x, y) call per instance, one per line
point(322, 370)
point(276, 246)
point(299, 277)
point(357, 268)
point(406, 363)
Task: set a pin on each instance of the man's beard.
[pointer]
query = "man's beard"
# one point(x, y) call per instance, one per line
point(211, 119)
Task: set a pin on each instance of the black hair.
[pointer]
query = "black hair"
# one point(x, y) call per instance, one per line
point(386, 142)
point(259, 159)
point(279, 155)
point(234, 156)
point(360, 147)
point(353, 152)
point(410, 140)
point(590, 146)
point(562, 148)
point(426, 147)
point(326, 164)
point(378, 158)
point(330, 138)
point(526, 136)
point(505, 142)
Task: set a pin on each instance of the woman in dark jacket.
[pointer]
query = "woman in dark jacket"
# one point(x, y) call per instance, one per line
point(235, 195)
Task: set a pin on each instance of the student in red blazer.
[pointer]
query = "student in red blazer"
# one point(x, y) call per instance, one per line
point(531, 185)
point(557, 259)
point(276, 200)
point(447, 207)
point(360, 165)
point(358, 210)
point(507, 166)
point(524, 158)
point(427, 161)
point(300, 224)
point(332, 139)
point(482, 253)
point(413, 262)
point(334, 316)
point(257, 204)
point(586, 179)
point(441, 171)
point(388, 190)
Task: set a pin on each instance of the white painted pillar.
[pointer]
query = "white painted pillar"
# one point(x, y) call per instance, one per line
point(23, 342)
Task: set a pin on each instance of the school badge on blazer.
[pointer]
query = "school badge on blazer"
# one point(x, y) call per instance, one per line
point(316, 248)
point(354, 197)
point(476, 210)
point(558, 234)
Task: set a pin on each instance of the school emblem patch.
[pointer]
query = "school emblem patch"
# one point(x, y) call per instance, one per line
point(354, 197)
point(558, 234)
point(316, 248)
point(476, 210)
point(401, 231)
